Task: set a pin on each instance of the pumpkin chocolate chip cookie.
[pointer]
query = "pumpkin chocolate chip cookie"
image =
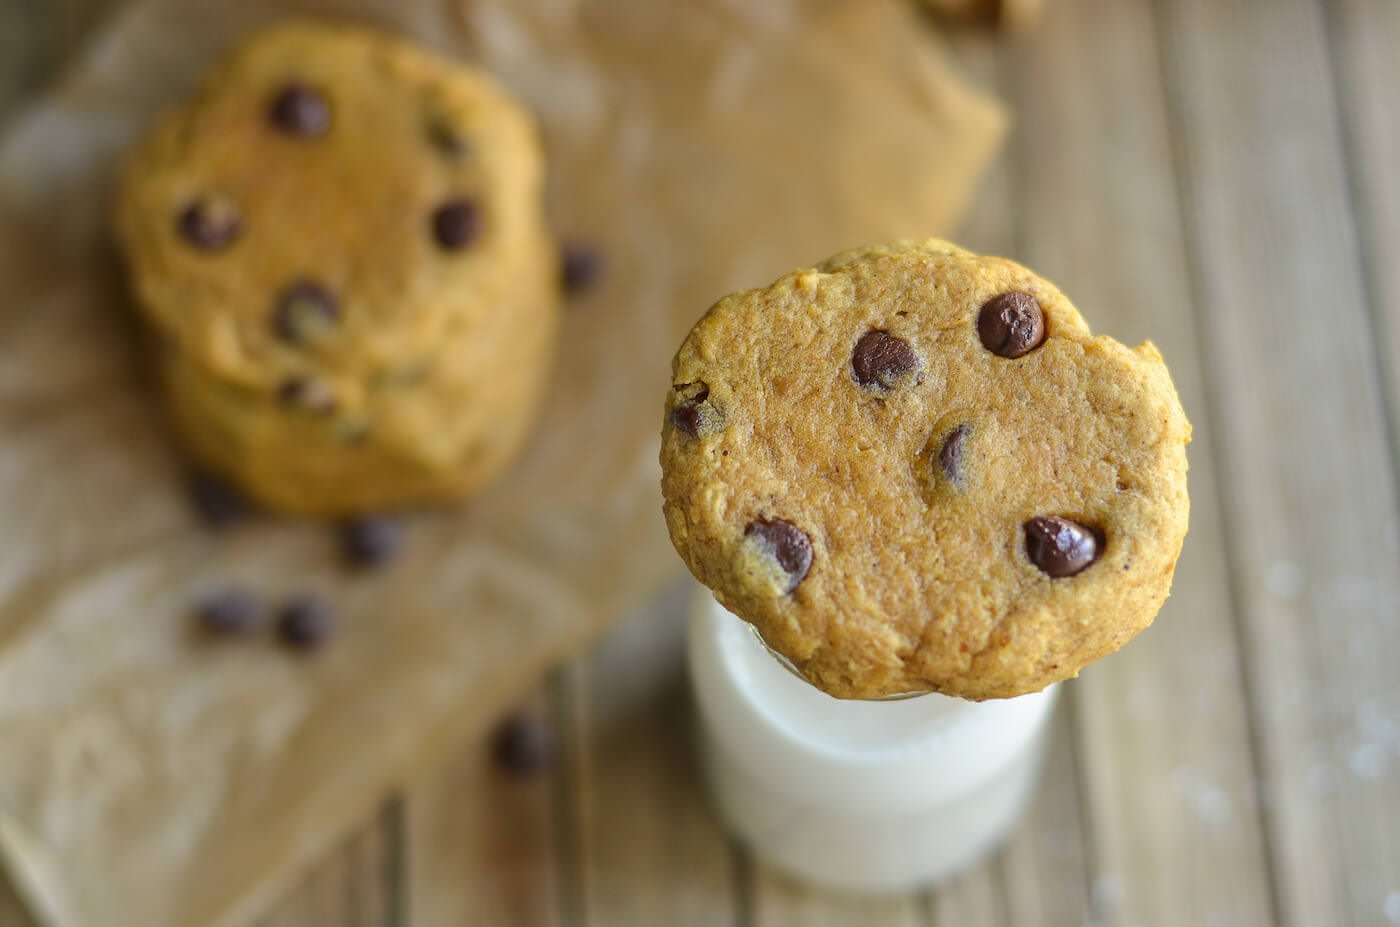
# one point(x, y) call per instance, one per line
point(913, 468)
point(341, 240)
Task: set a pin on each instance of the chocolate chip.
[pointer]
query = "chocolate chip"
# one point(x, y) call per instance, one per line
point(787, 545)
point(456, 224)
point(216, 501)
point(1011, 324)
point(210, 224)
point(308, 395)
point(524, 745)
point(305, 623)
point(882, 361)
point(228, 612)
point(693, 412)
point(372, 540)
point(305, 312)
point(950, 456)
point(1060, 547)
point(580, 268)
point(300, 110)
point(446, 140)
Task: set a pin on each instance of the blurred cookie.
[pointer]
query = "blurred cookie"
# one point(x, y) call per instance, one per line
point(342, 241)
point(913, 468)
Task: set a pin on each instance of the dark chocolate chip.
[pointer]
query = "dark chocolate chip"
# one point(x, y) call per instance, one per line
point(882, 361)
point(300, 110)
point(1011, 324)
point(788, 546)
point(1060, 547)
point(456, 224)
point(446, 140)
point(372, 540)
point(693, 412)
point(305, 622)
point(210, 224)
point(307, 394)
point(229, 611)
point(216, 501)
point(524, 745)
point(580, 268)
point(305, 312)
point(950, 456)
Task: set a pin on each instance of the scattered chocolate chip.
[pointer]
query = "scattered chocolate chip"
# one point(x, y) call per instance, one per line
point(216, 501)
point(305, 312)
point(308, 395)
point(456, 224)
point(300, 110)
point(882, 361)
point(372, 540)
point(210, 224)
point(1060, 547)
point(950, 456)
point(446, 140)
point(787, 544)
point(524, 745)
point(305, 623)
point(580, 268)
point(1011, 324)
point(228, 612)
point(693, 412)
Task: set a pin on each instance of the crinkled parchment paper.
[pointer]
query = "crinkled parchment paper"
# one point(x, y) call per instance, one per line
point(147, 779)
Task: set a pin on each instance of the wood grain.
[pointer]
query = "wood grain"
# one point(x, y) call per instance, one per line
point(777, 900)
point(1163, 726)
point(647, 848)
point(350, 887)
point(1311, 508)
point(483, 845)
point(1364, 36)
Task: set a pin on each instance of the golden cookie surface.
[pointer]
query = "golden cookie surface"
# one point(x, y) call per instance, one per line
point(346, 227)
point(913, 468)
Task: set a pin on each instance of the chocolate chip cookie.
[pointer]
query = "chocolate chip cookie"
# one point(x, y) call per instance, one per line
point(342, 245)
point(913, 468)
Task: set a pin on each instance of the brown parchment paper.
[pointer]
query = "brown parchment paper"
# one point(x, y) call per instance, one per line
point(147, 779)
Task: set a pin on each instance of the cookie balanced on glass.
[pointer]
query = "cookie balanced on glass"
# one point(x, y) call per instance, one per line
point(920, 493)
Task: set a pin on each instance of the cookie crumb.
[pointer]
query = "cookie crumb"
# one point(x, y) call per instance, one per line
point(306, 623)
point(524, 745)
point(229, 612)
point(372, 540)
point(580, 268)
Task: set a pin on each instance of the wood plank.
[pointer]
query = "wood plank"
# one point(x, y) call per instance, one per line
point(349, 888)
point(1044, 867)
point(646, 846)
point(1311, 503)
point(1168, 777)
point(1364, 36)
point(779, 901)
point(976, 897)
point(482, 845)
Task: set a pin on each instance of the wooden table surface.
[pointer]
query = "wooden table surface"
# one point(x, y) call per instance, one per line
point(1224, 177)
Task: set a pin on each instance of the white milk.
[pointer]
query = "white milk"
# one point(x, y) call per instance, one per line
point(861, 796)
